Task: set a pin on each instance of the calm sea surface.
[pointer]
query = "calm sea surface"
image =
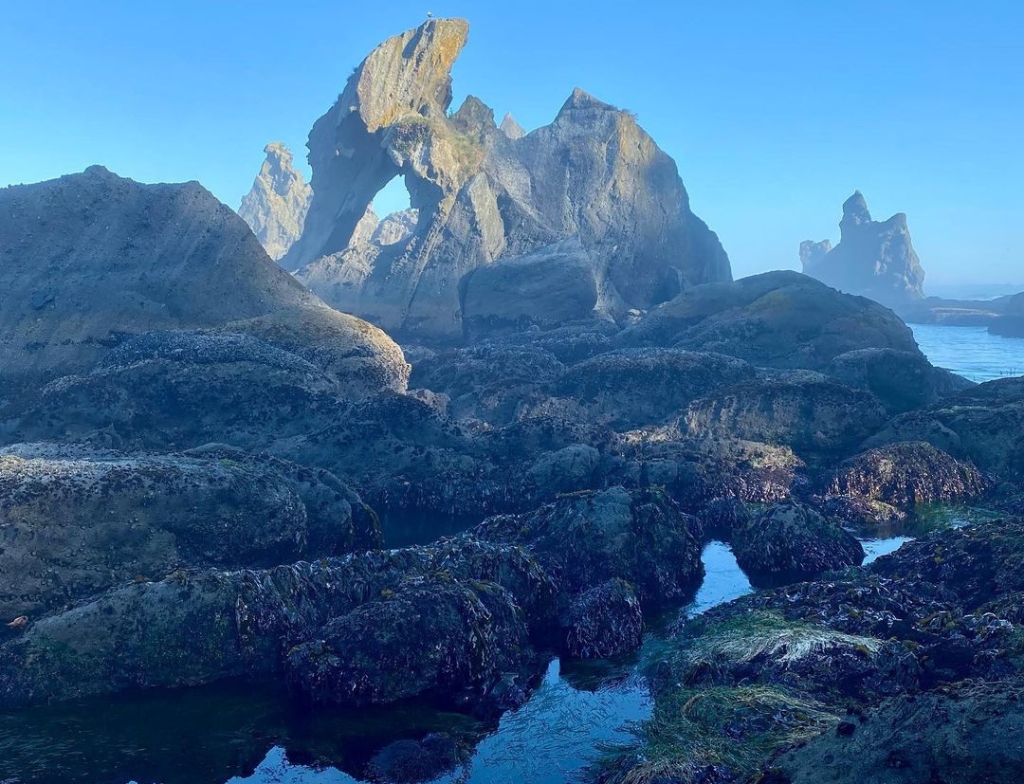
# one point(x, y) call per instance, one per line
point(971, 351)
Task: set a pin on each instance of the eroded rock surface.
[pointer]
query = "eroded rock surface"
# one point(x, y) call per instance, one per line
point(483, 193)
point(275, 208)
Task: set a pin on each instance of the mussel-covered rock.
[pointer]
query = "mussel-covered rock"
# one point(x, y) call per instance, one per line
point(75, 521)
point(605, 621)
point(903, 475)
point(648, 385)
point(808, 415)
point(587, 538)
point(790, 539)
point(961, 735)
point(432, 637)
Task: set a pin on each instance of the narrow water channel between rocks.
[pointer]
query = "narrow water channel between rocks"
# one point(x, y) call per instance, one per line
point(242, 735)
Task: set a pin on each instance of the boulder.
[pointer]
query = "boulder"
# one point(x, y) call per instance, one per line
point(604, 621)
point(74, 521)
point(545, 288)
point(275, 208)
point(376, 654)
point(792, 540)
point(632, 387)
point(983, 424)
point(901, 380)
point(90, 260)
point(873, 259)
point(903, 475)
point(588, 538)
point(197, 627)
point(776, 319)
point(811, 416)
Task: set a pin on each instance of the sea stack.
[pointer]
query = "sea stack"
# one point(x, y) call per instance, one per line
point(873, 259)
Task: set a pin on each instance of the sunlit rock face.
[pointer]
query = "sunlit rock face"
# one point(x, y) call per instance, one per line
point(276, 207)
point(874, 259)
point(484, 192)
point(89, 260)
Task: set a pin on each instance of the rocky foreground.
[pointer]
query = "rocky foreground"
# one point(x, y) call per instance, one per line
point(202, 464)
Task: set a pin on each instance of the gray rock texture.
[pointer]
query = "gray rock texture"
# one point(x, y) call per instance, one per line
point(484, 193)
point(275, 208)
point(776, 319)
point(545, 288)
point(75, 521)
point(873, 259)
point(90, 259)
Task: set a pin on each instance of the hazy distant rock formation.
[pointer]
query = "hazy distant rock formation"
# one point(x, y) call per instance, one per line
point(276, 207)
point(873, 259)
point(91, 259)
point(1003, 315)
point(484, 193)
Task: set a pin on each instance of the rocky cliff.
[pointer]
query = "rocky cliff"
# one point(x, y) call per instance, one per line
point(483, 193)
point(276, 207)
point(874, 259)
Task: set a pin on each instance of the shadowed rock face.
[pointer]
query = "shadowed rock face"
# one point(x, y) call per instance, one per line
point(276, 207)
point(485, 193)
point(91, 259)
point(873, 259)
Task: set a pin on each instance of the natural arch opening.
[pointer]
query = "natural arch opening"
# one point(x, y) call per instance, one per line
point(393, 219)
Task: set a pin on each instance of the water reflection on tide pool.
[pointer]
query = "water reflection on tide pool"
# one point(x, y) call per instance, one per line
point(222, 734)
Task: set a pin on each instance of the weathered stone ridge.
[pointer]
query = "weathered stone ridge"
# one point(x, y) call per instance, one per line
point(275, 208)
point(485, 192)
point(91, 259)
point(874, 259)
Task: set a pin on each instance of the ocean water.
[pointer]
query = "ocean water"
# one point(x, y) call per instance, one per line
point(971, 351)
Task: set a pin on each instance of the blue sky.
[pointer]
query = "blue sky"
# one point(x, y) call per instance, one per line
point(774, 111)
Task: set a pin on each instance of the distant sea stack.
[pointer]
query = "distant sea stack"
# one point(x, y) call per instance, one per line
point(276, 207)
point(483, 193)
point(873, 259)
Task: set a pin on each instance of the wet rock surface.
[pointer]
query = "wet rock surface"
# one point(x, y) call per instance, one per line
point(795, 541)
point(893, 662)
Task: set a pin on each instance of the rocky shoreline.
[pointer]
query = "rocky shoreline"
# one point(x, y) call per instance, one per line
point(201, 461)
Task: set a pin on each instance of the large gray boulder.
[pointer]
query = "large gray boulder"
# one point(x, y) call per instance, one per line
point(777, 319)
point(873, 259)
point(484, 194)
point(74, 521)
point(275, 208)
point(90, 259)
point(544, 288)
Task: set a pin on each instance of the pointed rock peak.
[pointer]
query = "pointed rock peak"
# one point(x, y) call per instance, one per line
point(856, 207)
point(275, 208)
point(99, 171)
point(408, 73)
point(511, 128)
point(278, 153)
point(581, 99)
point(474, 114)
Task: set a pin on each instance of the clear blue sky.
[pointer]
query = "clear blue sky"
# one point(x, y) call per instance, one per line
point(774, 111)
